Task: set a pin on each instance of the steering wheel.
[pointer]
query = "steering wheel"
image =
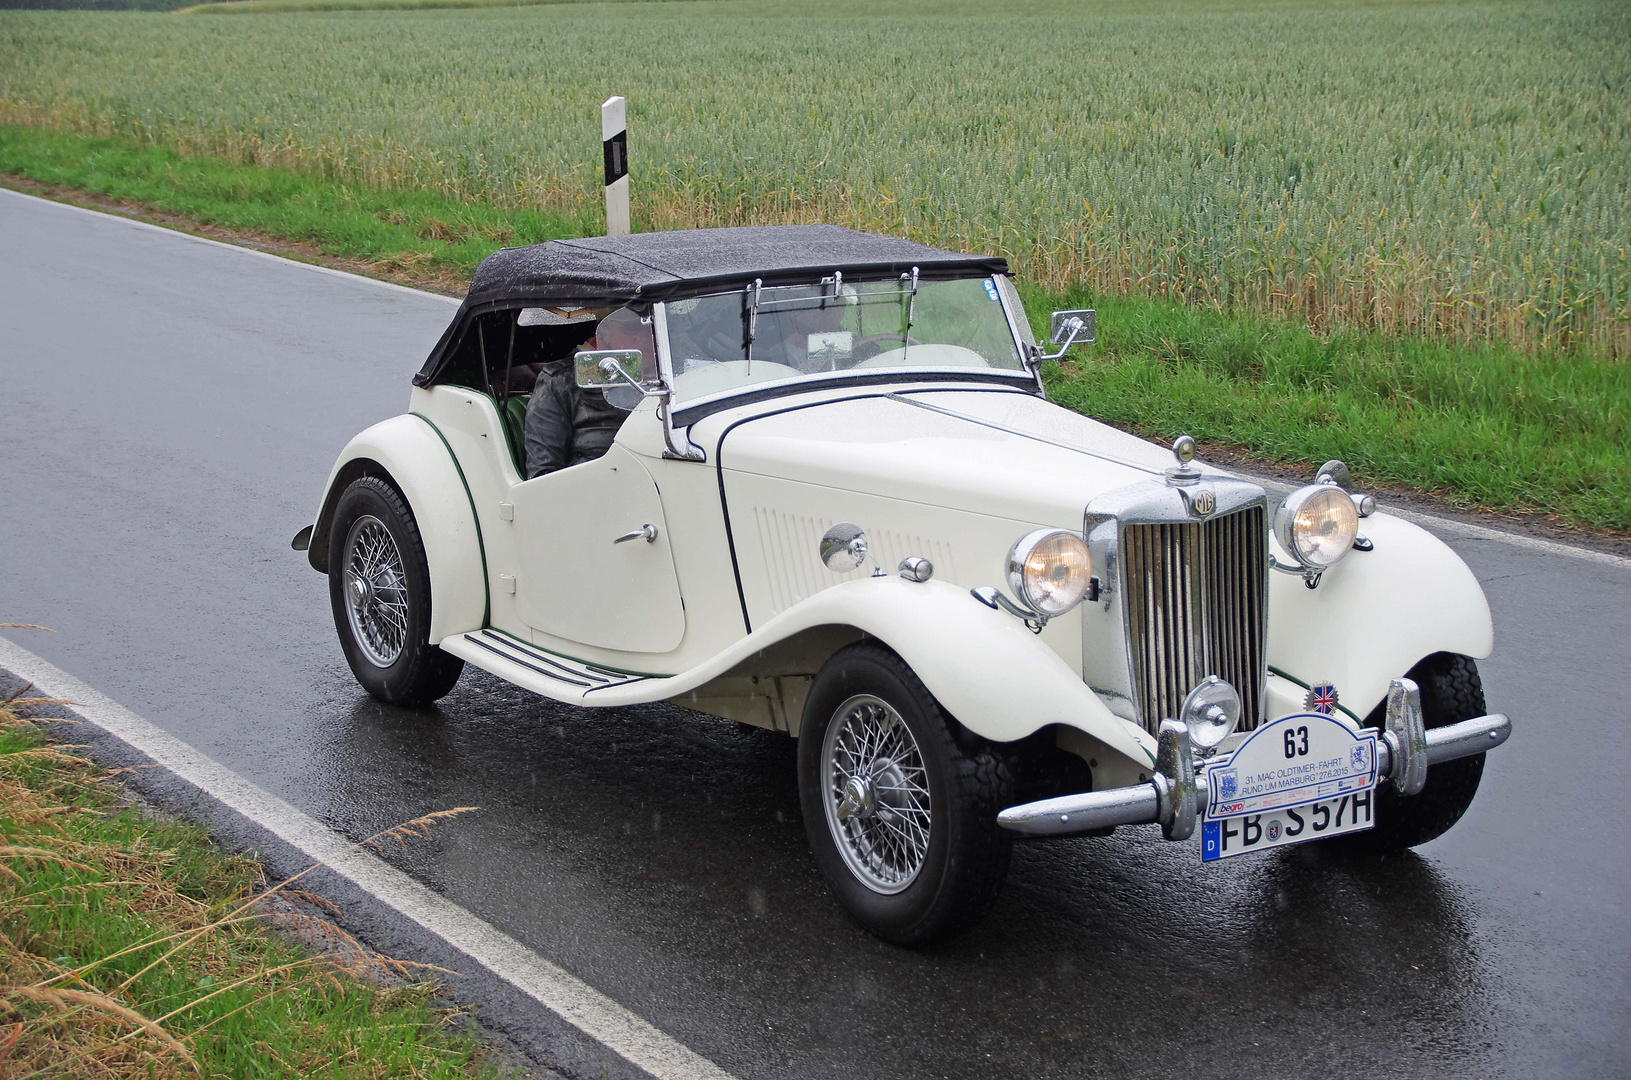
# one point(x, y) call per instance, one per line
point(879, 340)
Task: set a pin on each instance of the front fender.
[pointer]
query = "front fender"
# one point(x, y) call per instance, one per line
point(408, 452)
point(995, 676)
point(1376, 613)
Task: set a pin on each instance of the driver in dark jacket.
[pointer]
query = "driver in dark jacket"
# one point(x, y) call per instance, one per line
point(567, 425)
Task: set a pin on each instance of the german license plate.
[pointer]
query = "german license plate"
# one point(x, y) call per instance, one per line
point(1303, 777)
point(1249, 833)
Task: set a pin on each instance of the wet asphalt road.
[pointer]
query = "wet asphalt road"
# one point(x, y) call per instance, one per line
point(169, 410)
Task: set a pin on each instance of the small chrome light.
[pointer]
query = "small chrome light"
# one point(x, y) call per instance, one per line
point(1365, 504)
point(1316, 525)
point(916, 568)
point(843, 547)
point(1050, 570)
point(1211, 712)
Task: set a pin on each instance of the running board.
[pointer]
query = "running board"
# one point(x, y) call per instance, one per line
point(529, 667)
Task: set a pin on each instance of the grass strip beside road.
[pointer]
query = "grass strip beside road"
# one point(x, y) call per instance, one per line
point(1481, 426)
point(129, 949)
point(275, 7)
point(1478, 427)
point(429, 239)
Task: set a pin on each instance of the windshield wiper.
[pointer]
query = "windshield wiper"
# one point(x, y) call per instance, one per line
point(909, 280)
point(750, 320)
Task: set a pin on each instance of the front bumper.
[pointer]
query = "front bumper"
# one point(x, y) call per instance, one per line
point(1177, 794)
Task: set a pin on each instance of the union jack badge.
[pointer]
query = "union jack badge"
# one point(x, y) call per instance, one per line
point(1321, 698)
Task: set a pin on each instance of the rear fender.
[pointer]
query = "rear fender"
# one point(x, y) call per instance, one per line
point(409, 453)
point(1376, 613)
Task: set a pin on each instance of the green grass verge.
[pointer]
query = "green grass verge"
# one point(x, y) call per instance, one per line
point(274, 7)
point(126, 950)
point(1480, 426)
point(403, 231)
point(1483, 425)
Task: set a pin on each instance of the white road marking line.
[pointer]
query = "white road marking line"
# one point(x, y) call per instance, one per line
point(1427, 521)
point(574, 1001)
point(284, 259)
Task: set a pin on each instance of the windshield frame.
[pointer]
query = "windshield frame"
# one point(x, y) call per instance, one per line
point(694, 409)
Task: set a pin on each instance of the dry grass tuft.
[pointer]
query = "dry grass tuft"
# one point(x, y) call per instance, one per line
point(416, 829)
point(129, 947)
point(66, 1000)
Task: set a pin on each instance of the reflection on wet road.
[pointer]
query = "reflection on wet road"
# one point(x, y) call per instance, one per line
point(1117, 952)
point(170, 411)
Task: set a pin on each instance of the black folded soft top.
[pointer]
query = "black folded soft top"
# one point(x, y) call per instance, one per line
point(648, 267)
point(662, 265)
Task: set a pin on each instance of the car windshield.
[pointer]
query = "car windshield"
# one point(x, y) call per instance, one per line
point(730, 340)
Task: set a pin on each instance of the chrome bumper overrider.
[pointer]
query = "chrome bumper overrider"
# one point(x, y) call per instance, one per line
point(1177, 795)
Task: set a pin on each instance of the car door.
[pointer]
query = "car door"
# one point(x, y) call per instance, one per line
point(575, 580)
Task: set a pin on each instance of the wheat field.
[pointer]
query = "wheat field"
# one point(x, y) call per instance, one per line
point(1459, 171)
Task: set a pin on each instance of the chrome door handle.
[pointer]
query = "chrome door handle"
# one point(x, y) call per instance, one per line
point(648, 533)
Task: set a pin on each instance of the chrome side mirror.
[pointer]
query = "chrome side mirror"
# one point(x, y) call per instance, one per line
point(1066, 328)
point(1075, 327)
point(608, 370)
point(1334, 472)
point(602, 368)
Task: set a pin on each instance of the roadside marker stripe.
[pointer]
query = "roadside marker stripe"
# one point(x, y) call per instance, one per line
point(573, 1000)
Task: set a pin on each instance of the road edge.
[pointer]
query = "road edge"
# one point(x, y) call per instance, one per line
point(312, 261)
point(1249, 469)
point(1441, 524)
point(651, 1051)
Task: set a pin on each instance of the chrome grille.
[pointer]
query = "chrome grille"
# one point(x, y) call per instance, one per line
point(1196, 601)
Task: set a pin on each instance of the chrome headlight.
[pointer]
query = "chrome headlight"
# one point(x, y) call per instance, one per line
point(1211, 712)
point(1050, 570)
point(1316, 525)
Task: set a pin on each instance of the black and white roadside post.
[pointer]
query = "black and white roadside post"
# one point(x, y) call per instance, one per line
point(614, 135)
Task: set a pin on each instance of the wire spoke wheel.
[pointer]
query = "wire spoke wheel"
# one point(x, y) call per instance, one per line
point(899, 801)
point(376, 591)
point(379, 590)
point(876, 794)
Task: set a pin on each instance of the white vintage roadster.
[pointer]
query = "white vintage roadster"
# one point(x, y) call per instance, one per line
point(839, 505)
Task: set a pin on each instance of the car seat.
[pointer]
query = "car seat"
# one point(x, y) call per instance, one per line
point(512, 411)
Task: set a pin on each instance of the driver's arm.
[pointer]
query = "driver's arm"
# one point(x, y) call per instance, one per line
point(548, 428)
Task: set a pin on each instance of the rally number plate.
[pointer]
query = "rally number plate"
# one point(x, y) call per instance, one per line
point(1300, 778)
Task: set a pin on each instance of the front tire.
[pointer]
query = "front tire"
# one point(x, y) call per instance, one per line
point(379, 588)
point(900, 802)
point(1451, 691)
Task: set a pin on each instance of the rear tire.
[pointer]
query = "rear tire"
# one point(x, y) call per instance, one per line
point(909, 841)
point(1450, 692)
point(379, 588)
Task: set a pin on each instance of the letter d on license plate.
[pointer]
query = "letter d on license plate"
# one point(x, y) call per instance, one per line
point(1300, 778)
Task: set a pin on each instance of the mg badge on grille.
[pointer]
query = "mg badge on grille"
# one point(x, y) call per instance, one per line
point(1201, 501)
